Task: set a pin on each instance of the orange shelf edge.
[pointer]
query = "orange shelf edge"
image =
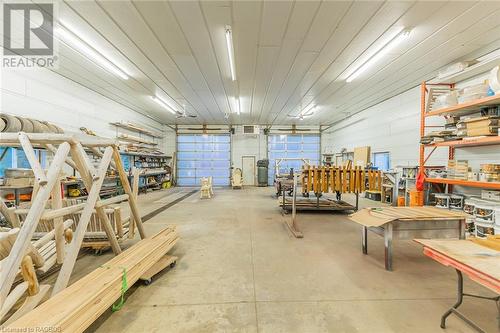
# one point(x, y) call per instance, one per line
point(469, 183)
point(486, 141)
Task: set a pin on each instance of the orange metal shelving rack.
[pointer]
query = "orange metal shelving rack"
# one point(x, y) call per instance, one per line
point(460, 109)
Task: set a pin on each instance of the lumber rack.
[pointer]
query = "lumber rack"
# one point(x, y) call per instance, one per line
point(47, 192)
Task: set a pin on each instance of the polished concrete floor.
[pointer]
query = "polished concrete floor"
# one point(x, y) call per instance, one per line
point(240, 270)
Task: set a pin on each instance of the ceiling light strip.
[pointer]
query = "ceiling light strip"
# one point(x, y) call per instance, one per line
point(230, 51)
point(379, 53)
point(163, 104)
point(71, 39)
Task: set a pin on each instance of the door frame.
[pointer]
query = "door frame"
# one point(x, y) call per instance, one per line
point(254, 168)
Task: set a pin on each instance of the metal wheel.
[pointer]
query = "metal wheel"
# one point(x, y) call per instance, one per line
point(147, 282)
point(172, 265)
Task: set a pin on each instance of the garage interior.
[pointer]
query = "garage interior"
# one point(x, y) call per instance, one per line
point(250, 166)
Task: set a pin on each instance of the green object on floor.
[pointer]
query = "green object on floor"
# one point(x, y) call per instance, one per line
point(117, 307)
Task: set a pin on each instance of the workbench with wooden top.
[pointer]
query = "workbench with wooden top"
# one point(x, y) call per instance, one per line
point(408, 223)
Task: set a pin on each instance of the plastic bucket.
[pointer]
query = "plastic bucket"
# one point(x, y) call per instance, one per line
point(416, 198)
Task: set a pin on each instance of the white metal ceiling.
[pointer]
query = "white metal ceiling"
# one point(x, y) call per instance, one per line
point(289, 55)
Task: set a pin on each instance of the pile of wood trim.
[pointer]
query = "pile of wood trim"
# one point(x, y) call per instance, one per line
point(75, 308)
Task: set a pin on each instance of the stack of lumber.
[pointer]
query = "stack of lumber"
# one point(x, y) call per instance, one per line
point(75, 308)
point(339, 179)
point(478, 126)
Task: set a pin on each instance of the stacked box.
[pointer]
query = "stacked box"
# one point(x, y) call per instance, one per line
point(478, 126)
point(458, 169)
point(490, 195)
point(490, 172)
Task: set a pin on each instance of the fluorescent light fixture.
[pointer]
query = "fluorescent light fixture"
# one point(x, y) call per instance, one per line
point(384, 48)
point(163, 104)
point(235, 101)
point(71, 39)
point(230, 51)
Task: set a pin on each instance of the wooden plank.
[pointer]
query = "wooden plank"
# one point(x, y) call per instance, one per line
point(126, 186)
point(29, 304)
point(135, 193)
point(58, 222)
point(29, 152)
point(74, 247)
point(99, 289)
point(12, 298)
point(361, 156)
point(477, 257)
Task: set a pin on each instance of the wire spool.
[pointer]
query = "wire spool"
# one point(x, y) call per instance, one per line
point(442, 200)
point(484, 213)
point(456, 201)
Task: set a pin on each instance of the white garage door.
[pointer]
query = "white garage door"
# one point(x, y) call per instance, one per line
point(203, 155)
point(305, 146)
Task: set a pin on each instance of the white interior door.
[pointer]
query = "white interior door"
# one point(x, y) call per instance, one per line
point(248, 170)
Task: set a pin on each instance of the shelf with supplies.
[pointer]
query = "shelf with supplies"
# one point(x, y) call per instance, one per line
point(478, 129)
point(468, 142)
point(75, 189)
point(138, 129)
point(465, 108)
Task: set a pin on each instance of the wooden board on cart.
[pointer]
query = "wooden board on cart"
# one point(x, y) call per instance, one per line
point(312, 202)
point(481, 259)
point(75, 308)
point(376, 217)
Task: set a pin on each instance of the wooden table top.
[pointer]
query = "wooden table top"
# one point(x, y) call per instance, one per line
point(378, 216)
point(479, 262)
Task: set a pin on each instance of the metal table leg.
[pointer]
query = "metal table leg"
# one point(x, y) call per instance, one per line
point(17, 199)
point(461, 229)
point(388, 246)
point(364, 240)
point(460, 295)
